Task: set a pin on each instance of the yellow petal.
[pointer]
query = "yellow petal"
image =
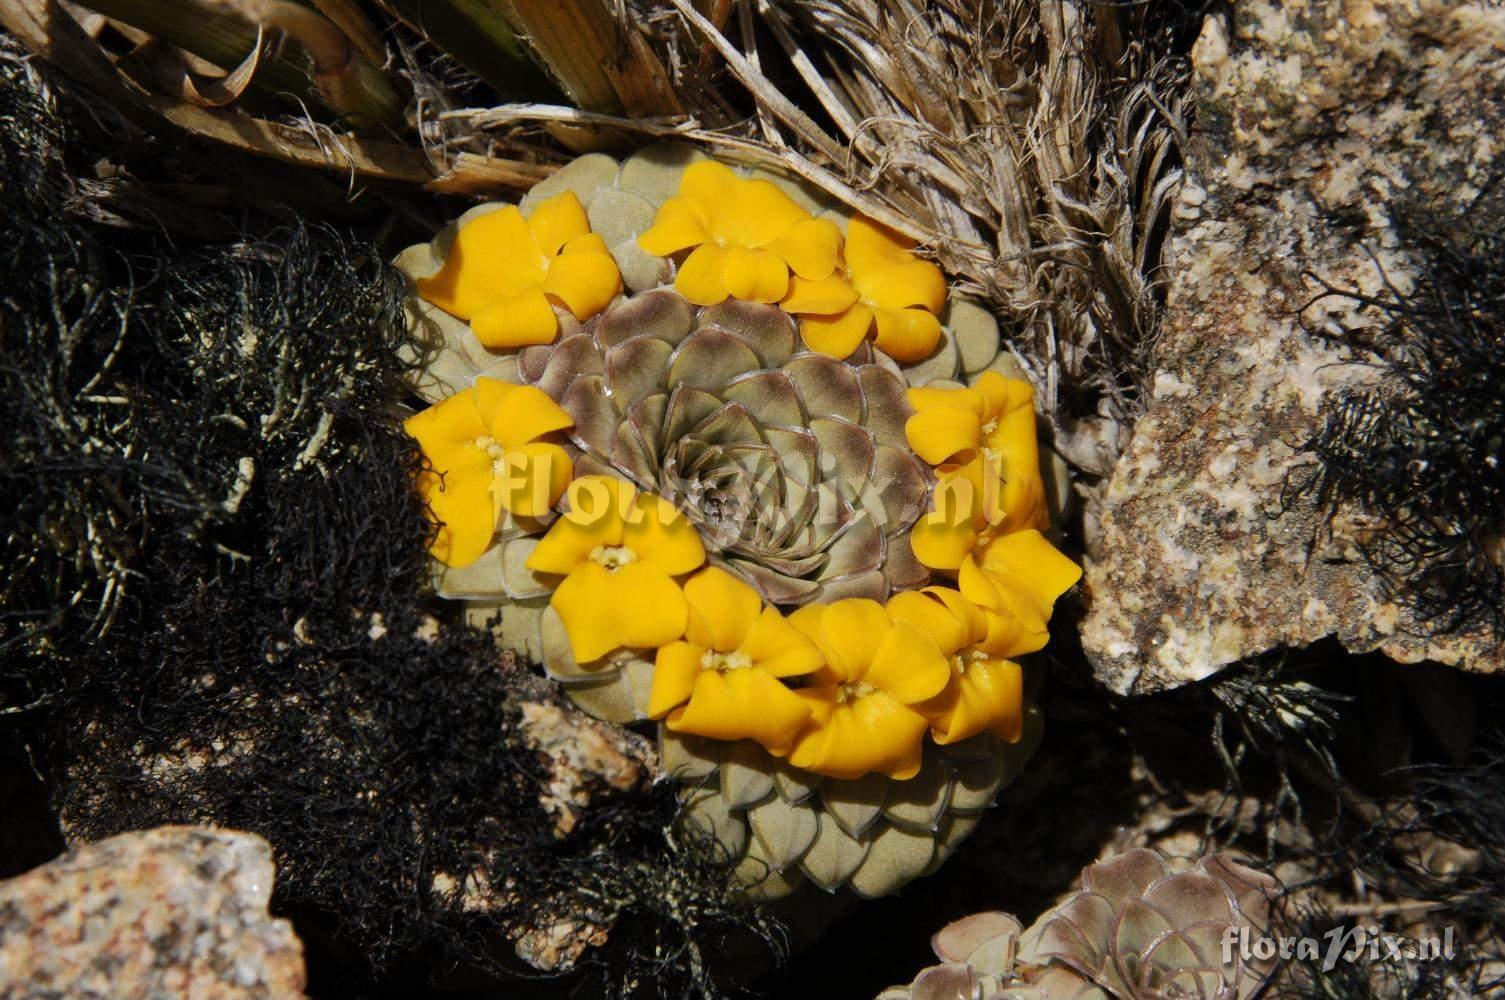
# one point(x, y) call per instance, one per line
point(808, 620)
point(450, 433)
point(775, 645)
point(449, 463)
point(674, 671)
point(585, 243)
point(585, 282)
point(824, 297)
point(908, 665)
point(557, 221)
point(973, 618)
point(906, 334)
point(517, 414)
point(533, 478)
point(839, 335)
point(968, 489)
point(1016, 453)
point(926, 612)
point(709, 185)
point(851, 632)
point(756, 214)
point(492, 257)
point(722, 609)
point(999, 688)
point(651, 608)
point(661, 535)
point(702, 277)
point(677, 226)
point(742, 704)
point(994, 388)
point(873, 733)
point(518, 320)
point(635, 606)
point(913, 283)
point(456, 420)
point(939, 433)
point(462, 507)
point(989, 695)
point(941, 543)
point(1029, 559)
point(1008, 636)
point(927, 398)
point(872, 246)
point(809, 248)
point(755, 275)
point(593, 520)
point(1017, 620)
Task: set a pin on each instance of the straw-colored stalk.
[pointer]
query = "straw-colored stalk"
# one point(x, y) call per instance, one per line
point(336, 74)
point(479, 38)
point(602, 64)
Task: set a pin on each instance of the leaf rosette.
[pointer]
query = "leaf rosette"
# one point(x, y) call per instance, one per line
point(836, 709)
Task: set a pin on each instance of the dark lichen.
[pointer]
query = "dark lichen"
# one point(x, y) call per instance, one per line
point(213, 602)
point(1423, 450)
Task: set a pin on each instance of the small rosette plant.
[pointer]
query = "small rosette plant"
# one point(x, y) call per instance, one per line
point(1137, 930)
point(761, 483)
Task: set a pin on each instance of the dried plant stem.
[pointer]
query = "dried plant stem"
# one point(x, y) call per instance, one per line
point(345, 80)
point(339, 77)
point(601, 65)
point(209, 34)
point(480, 39)
point(347, 16)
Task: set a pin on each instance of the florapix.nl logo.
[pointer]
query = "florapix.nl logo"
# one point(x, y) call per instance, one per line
point(1357, 943)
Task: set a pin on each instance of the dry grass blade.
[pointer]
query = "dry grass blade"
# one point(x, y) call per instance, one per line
point(52, 33)
point(324, 149)
point(346, 16)
point(344, 80)
point(602, 63)
point(213, 35)
point(216, 92)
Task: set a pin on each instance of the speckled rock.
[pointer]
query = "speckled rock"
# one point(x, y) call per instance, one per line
point(584, 757)
point(580, 760)
point(1312, 118)
point(178, 911)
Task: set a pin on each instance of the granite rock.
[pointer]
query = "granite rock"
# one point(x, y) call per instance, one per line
point(178, 911)
point(1313, 119)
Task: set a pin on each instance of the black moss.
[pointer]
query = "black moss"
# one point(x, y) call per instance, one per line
point(1424, 451)
point(213, 610)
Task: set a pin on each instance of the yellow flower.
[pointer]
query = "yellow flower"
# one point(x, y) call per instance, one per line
point(982, 442)
point(986, 689)
point(890, 290)
point(618, 551)
point(747, 236)
point(862, 702)
point(484, 457)
point(1016, 579)
point(728, 667)
point(503, 272)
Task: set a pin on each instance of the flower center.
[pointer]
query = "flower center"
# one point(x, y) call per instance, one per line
point(722, 662)
point(493, 448)
point(990, 426)
point(613, 557)
point(961, 661)
point(852, 690)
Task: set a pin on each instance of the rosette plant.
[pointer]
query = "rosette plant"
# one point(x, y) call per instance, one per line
point(833, 671)
point(1137, 930)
